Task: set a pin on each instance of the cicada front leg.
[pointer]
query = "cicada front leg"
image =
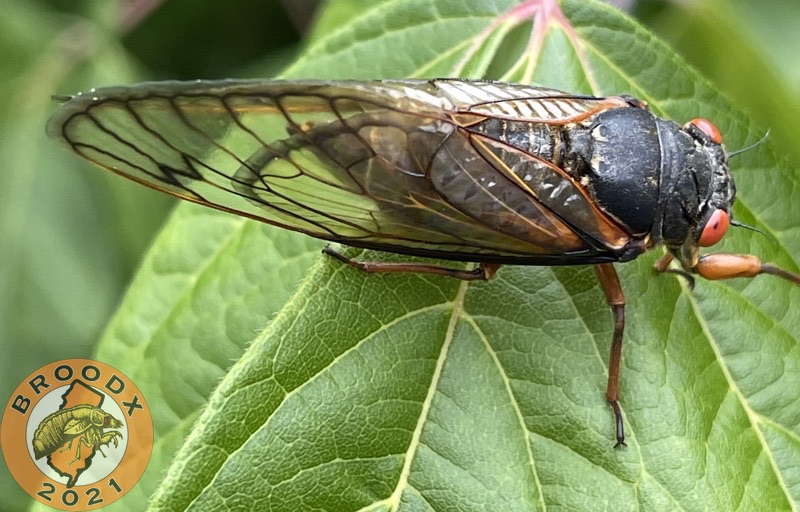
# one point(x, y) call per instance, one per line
point(728, 266)
point(720, 266)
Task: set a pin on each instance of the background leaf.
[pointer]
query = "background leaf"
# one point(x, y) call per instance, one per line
point(373, 391)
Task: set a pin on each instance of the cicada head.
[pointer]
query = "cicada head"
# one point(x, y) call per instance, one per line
point(697, 189)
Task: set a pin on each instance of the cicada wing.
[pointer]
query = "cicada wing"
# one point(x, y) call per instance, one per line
point(362, 163)
point(556, 194)
point(525, 103)
point(463, 175)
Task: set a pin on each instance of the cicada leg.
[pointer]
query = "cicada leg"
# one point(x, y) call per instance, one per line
point(728, 266)
point(612, 288)
point(662, 266)
point(67, 446)
point(81, 441)
point(483, 272)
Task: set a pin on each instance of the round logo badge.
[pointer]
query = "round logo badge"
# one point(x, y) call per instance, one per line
point(77, 434)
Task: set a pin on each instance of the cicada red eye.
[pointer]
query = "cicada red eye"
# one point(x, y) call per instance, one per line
point(714, 229)
point(707, 127)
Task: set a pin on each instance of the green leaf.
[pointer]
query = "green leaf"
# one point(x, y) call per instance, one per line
point(408, 392)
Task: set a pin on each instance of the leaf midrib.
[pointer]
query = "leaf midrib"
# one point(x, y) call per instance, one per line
point(457, 313)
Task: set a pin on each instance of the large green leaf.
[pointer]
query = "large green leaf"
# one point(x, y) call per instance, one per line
point(423, 393)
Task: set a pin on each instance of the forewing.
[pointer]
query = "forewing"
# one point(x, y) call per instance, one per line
point(345, 161)
point(528, 103)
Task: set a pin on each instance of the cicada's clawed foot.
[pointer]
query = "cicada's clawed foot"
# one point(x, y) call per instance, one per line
point(109, 437)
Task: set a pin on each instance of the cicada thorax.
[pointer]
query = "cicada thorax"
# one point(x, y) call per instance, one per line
point(617, 156)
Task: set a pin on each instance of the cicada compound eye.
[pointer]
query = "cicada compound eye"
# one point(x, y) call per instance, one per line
point(707, 127)
point(714, 229)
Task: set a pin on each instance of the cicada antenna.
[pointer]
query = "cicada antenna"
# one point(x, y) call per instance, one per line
point(747, 226)
point(768, 236)
point(748, 148)
point(739, 152)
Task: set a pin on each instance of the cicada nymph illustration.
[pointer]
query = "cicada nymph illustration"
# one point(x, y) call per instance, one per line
point(474, 171)
point(85, 423)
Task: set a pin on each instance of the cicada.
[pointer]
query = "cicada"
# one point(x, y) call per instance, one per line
point(475, 171)
point(84, 421)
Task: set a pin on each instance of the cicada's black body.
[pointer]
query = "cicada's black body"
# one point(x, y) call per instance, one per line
point(656, 180)
point(460, 170)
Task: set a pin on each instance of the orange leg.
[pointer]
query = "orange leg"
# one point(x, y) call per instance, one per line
point(609, 280)
point(728, 266)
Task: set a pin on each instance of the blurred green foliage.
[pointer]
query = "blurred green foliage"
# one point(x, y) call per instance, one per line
point(748, 49)
point(71, 236)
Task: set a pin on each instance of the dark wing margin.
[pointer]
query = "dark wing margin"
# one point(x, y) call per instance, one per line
point(361, 163)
